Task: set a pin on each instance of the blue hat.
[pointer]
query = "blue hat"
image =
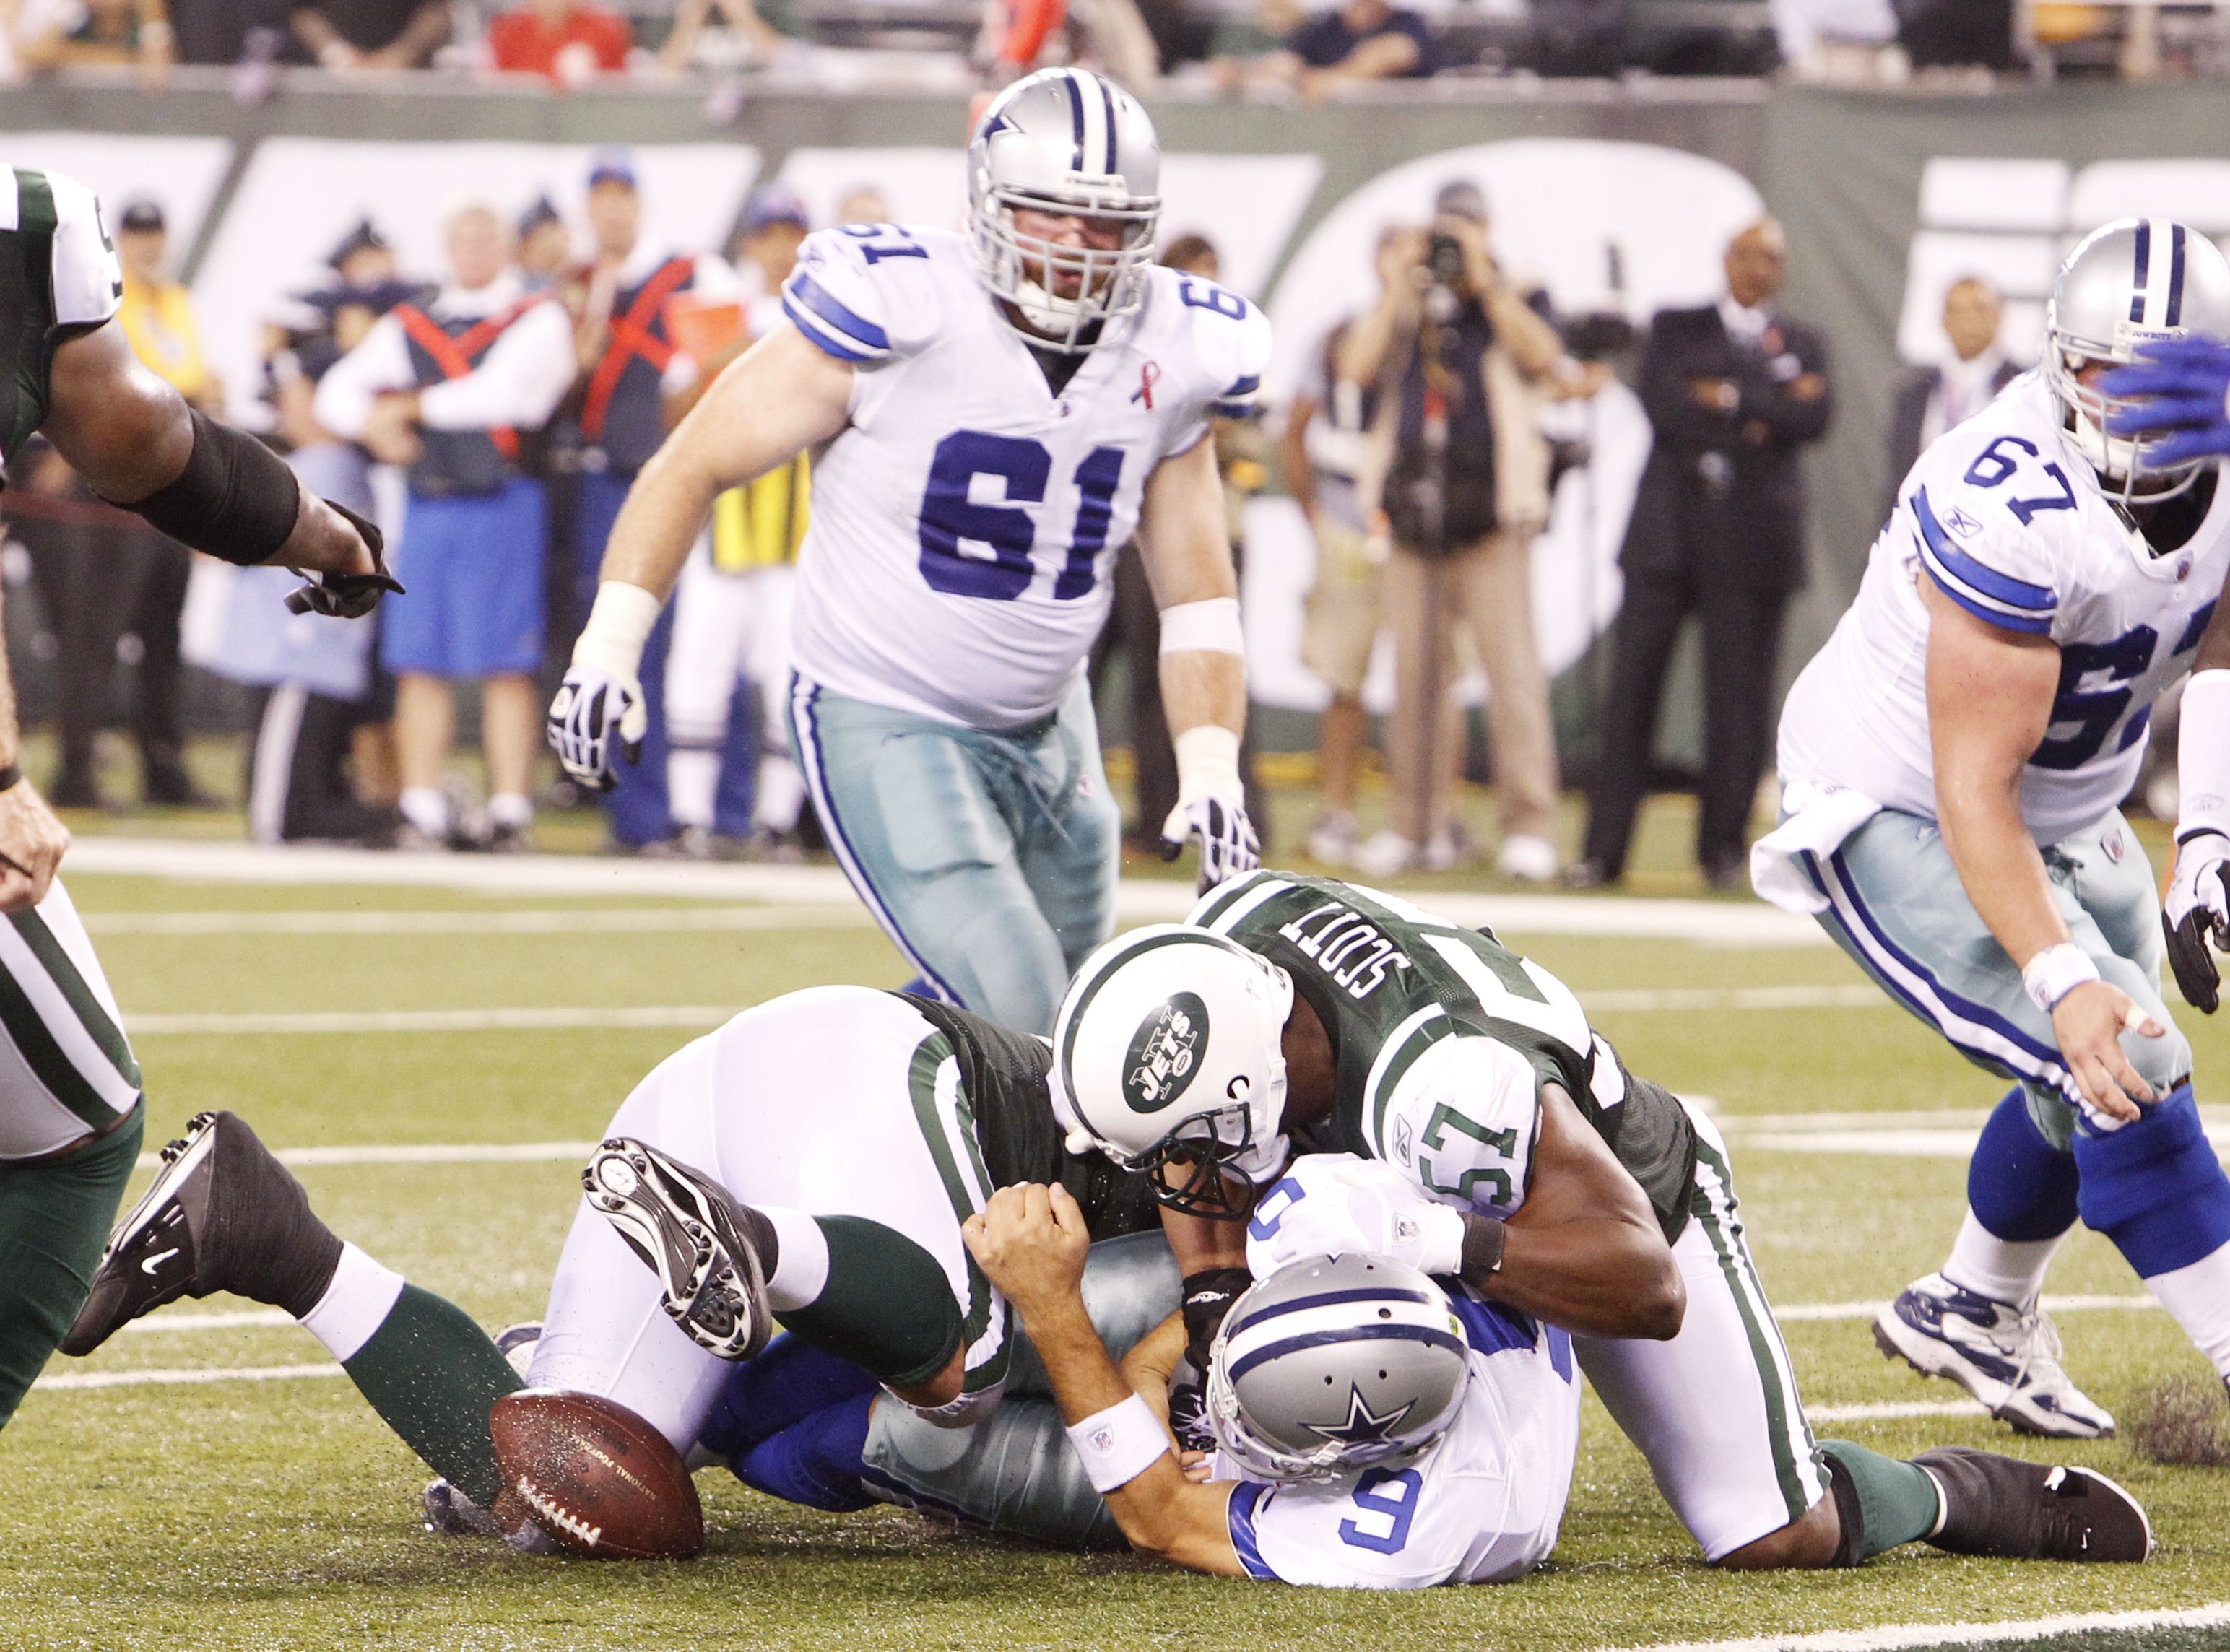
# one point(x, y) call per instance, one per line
point(614, 165)
point(774, 203)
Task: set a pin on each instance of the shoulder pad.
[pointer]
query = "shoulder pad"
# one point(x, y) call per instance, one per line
point(1228, 339)
point(88, 283)
point(867, 293)
point(1988, 508)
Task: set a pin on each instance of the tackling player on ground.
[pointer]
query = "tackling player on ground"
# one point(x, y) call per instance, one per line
point(70, 1113)
point(1000, 411)
point(1952, 761)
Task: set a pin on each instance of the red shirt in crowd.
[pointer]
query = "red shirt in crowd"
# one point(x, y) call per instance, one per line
point(525, 40)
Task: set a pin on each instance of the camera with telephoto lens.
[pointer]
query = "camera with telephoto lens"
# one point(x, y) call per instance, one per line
point(1444, 259)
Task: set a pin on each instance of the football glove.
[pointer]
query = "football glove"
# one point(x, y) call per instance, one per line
point(595, 716)
point(1330, 1205)
point(2185, 413)
point(2196, 917)
point(1228, 843)
point(348, 596)
point(1208, 1295)
point(1189, 1407)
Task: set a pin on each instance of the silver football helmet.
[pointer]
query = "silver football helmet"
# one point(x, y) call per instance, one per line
point(1336, 1365)
point(1067, 142)
point(2126, 283)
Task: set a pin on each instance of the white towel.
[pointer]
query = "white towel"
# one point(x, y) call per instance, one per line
point(1818, 818)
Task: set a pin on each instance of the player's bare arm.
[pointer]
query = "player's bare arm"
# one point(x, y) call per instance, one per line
point(1990, 701)
point(778, 399)
point(1584, 1252)
point(1031, 1243)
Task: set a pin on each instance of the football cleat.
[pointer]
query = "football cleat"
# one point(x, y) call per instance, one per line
point(2007, 1359)
point(448, 1512)
point(690, 1232)
point(222, 1214)
point(516, 1344)
point(2013, 1510)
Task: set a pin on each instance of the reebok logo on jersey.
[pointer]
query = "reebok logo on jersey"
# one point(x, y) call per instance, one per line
point(1961, 523)
point(1165, 1053)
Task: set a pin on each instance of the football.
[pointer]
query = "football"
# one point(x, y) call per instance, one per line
point(597, 1479)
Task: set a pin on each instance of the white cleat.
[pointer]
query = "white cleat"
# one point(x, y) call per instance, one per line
point(2007, 1359)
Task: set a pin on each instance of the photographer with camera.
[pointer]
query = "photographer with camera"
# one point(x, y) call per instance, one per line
point(1460, 358)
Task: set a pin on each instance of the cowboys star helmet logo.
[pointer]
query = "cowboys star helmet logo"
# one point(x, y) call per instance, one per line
point(1363, 1424)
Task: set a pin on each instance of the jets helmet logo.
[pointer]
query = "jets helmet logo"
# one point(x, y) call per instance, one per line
point(1165, 1053)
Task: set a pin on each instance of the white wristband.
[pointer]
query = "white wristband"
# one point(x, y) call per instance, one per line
point(1118, 1444)
point(619, 625)
point(2056, 972)
point(2203, 756)
point(1210, 627)
point(1207, 764)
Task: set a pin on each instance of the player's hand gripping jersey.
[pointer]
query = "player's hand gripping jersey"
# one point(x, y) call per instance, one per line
point(2009, 520)
point(1481, 1505)
point(58, 278)
point(966, 521)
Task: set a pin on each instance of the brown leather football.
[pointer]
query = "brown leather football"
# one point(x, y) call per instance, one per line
point(597, 1479)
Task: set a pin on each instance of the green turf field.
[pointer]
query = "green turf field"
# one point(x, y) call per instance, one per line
point(278, 1513)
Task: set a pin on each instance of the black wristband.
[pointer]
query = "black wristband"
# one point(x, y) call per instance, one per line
point(235, 498)
point(1483, 1238)
point(10, 773)
point(1208, 1295)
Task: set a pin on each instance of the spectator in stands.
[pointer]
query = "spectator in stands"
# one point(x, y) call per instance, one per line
point(371, 36)
point(1934, 399)
point(1359, 39)
point(1462, 356)
point(1735, 390)
point(742, 36)
point(97, 33)
point(546, 247)
point(101, 582)
point(625, 349)
point(445, 390)
point(570, 42)
point(863, 203)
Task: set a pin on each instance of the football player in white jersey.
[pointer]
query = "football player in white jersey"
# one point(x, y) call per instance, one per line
point(1000, 411)
point(1951, 764)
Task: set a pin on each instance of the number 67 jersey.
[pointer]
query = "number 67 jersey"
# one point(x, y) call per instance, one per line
point(965, 522)
point(2009, 520)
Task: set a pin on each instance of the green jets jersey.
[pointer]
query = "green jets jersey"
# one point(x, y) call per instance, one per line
point(1441, 1037)
point(58, 278)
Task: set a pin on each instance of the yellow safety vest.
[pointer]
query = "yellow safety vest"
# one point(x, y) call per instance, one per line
point(762, 523)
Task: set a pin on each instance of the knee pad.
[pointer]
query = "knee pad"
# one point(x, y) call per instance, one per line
point(2155, 1187)
point(788, 1383)
point(2019, 1186)
point(816, 1461)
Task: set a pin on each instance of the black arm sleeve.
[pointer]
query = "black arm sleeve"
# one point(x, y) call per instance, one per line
point(235, 498)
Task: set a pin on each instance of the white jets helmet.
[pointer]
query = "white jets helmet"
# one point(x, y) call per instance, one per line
point(1064, 141)
point(1168, 1050)
point(1336, 1365)
point(2126, 283)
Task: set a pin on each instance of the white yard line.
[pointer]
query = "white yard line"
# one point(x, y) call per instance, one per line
point(1137, 900)
point(592, 920)
point(1890, 1411)
point(1895, 1638)
point(468, 1152)
point(547, 1020)
point(158, 1379)
point(1857, 995)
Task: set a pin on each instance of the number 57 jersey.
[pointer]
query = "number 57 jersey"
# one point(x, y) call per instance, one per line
point(965, 522)
point(2008, 520)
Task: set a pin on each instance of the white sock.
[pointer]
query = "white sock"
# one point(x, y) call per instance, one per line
point(801, 1273)
point(511, 809)
point(2005, 1270)
point(692, 777)
point(354, 1306)
point(2198, 1296)
point(425, 807)
point(781, 795)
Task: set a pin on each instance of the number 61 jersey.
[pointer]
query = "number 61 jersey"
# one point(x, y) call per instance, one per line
point(2009, 520)
point(965, 522)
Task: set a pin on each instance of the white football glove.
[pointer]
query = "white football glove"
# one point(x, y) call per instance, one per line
point(593, 716)
point(1211, 807)
point(2197, 913)
point(1333, 1205)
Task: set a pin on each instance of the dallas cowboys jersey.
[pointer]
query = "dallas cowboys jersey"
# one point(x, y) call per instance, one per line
point(2009, 520)
point(58, 278)
point(1481, 1505)
point(1442, 1037)
point(965, 523)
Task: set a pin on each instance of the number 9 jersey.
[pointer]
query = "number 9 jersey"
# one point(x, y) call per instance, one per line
point(2006, 518)
point(965, 522)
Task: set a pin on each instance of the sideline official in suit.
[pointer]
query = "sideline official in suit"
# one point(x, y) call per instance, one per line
point(1733, 390)
point(1932, 400)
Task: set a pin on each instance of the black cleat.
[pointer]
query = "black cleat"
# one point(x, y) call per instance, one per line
point(222, 1214)
point(446, 1512)
point(692, 1234)
point(2015, 1510)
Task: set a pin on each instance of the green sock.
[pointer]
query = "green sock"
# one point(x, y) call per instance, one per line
point(431, 1373)
point(887, 1307)
point(1896, 1501)
point(55, 1215)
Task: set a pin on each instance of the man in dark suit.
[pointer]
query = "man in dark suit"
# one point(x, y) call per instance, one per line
point(1932, 400)
point(1733, 390)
